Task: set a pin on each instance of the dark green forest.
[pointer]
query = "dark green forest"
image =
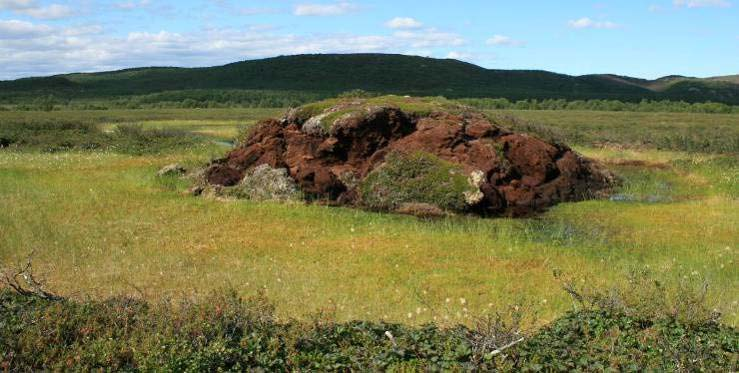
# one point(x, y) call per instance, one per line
point(286, 80)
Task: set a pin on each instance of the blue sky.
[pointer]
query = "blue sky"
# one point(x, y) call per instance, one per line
point(645, 39)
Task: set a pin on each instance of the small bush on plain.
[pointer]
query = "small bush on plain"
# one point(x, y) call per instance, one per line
point(62, 135)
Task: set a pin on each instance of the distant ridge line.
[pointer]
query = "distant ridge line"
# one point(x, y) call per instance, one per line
point(383, 73)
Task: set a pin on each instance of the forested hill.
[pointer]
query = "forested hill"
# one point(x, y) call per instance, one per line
point(383, 73)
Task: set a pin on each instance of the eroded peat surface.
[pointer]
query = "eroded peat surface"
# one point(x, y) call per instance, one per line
point(101, 223)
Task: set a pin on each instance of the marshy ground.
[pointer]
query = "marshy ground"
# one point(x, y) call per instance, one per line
point(102, 224)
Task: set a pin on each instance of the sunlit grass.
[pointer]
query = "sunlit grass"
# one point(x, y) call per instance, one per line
point(102, 224)
point(694, 132)
point(223, 130)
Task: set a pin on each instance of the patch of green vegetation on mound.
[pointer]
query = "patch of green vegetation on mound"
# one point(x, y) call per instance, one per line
point(328, 121)
point(415, 178)
point(308, 111)
point(416, 106)
point(419, 106)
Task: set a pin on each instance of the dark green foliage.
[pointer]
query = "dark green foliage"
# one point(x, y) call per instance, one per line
point(53, 135)
point(328, 75)
point(208, 99)
point(225, 332)
point(356, 93)
point(598, 340)
point(60, 135)
point(639, 325)
point(183, 99)
point(415, 178)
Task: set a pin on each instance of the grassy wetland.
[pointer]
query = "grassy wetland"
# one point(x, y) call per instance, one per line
point(102, 224)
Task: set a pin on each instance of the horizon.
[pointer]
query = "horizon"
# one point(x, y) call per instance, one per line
point(648, 40)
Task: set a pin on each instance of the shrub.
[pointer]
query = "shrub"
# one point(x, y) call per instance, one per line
point(644, 297)
point(226, 332)
point(596, 340)
point(53, 136)
point(415, 178)
point(599, 105)
point(357, 93)
point(60, 135)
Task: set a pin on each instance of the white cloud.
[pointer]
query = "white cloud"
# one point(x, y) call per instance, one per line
point(324, 9)
point(131, 5)
point(16, 4)
point(256, 11)
point(455, 55)
point(228, 6)
point(53, 11)
point(585, 22)
point(702, 3)
point(261, 27)
point(14, 29)
point(32, 9)
point(502, 40)
point(162, 37)
point(430, 37)
point(403, 23)
point(82, 30)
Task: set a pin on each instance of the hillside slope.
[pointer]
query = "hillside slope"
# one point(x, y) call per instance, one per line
point(384, 73)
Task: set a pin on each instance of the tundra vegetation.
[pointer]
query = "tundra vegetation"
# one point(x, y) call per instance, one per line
point(151, 279)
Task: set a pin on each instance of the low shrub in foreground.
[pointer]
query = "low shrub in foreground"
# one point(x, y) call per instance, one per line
point(226, 332)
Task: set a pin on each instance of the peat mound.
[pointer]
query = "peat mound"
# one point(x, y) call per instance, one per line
point(391, 153)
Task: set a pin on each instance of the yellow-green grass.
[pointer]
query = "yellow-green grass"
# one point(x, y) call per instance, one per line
point(671, 131)
point(224, 130)
point(102, 224)
point(220, 124)
point(615, 120)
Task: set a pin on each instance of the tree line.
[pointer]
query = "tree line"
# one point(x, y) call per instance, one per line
point(601, 105)
point(209, 99)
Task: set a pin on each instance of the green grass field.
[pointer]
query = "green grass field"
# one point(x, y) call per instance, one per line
point(666, 131)
point(102, 224)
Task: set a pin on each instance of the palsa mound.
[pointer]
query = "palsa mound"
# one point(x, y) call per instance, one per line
point(417, 156)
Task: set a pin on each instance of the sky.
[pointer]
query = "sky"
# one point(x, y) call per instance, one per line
point(646, 39)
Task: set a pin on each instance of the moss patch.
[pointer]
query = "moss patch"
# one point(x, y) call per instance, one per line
point(328, 121)
point(415, 178)
point(419, 106)
point(305, 112)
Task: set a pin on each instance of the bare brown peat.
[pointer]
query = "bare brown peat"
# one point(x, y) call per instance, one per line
point(382, 157)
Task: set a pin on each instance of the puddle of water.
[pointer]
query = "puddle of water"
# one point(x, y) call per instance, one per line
point(229, 144)
point(640, 199)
